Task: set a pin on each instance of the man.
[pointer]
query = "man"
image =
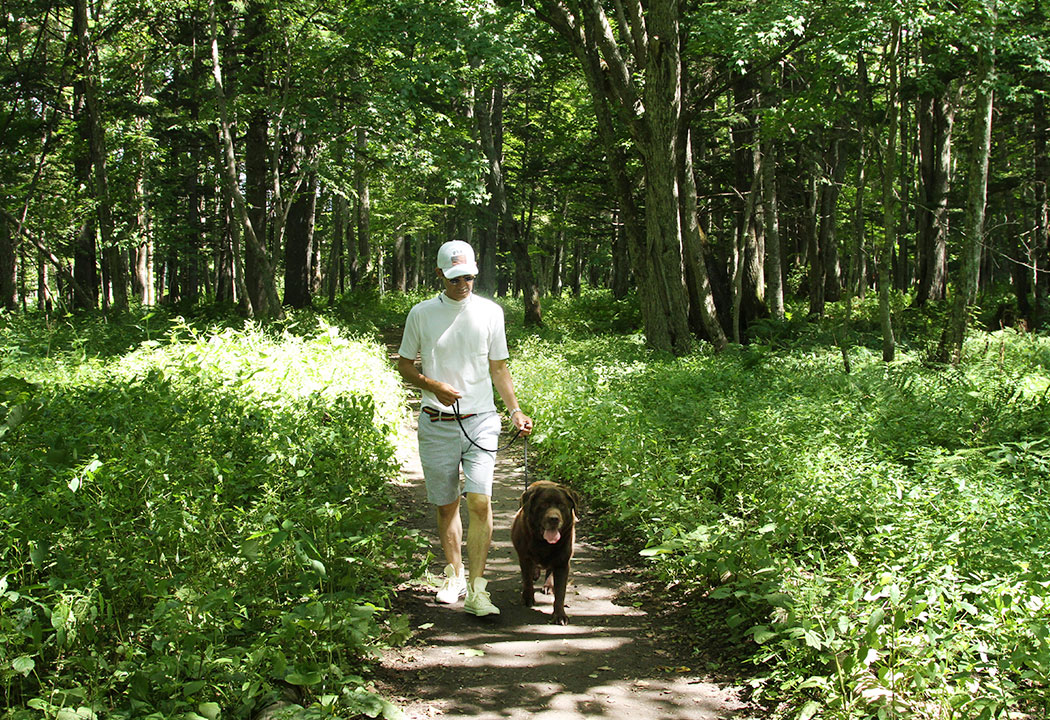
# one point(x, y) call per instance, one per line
point(462, 343)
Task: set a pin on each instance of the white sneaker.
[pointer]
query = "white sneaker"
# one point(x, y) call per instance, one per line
point(478, 601)
point(454, 587)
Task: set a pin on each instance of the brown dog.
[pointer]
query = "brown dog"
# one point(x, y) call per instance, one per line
point(543, 533)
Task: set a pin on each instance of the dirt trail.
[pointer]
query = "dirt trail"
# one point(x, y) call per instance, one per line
point(612, 660)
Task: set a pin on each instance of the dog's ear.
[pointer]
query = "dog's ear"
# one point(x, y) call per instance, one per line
point(574, 499)
point(526, 499)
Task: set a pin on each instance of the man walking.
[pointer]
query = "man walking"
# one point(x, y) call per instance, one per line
point(461, 341)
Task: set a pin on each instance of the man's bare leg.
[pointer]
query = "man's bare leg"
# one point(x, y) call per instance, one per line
point(450, 531)
point(479, 533)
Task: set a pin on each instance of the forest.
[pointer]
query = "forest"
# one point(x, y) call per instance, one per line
point(722, 157)
point(776, 281)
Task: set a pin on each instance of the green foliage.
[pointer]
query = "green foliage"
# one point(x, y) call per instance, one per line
point(196, 522)
point(875, 541)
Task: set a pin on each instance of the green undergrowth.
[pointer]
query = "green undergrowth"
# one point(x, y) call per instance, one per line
point(877, 543)
point(195, 519)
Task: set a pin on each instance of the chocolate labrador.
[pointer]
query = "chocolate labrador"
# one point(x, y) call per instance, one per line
point(543, 533)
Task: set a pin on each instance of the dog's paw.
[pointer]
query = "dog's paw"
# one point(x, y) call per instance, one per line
point(527, 599)
point(559, 618)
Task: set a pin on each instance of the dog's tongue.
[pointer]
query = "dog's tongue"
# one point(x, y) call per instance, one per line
point(551, 536)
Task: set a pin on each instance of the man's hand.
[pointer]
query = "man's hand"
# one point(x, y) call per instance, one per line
point(522, 422)
point(445, 393)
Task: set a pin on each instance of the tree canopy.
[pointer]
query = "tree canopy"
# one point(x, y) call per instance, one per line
point(715, 157)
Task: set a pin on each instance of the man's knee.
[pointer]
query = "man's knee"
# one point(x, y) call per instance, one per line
point(447, 513)
point(479, 504)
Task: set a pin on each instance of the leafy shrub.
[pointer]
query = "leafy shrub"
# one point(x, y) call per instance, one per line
point(197, 523)
point(875, 541)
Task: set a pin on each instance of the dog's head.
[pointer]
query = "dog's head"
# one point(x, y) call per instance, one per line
point(549, 509)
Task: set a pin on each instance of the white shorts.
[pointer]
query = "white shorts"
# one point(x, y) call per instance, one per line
point(443, 448)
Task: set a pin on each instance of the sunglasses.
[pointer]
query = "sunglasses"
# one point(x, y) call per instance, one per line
point(461, 278)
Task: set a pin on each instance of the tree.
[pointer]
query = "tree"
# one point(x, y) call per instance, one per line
point(977, 185)
point(638, 77)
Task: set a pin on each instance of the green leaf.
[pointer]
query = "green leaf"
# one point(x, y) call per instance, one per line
point(210, 710)
point(298, 677)
point(23, 664)
point(809, 710)
point(762, 634)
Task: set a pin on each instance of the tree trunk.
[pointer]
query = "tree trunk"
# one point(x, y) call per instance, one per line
point(936, 119)
point(400, 269)
point(256, 152)
point(977, 193)
point(558, 261)
point(665, 307)
point(269, 302)
point(1041, 240)
point(363, 209)
point(486, 110)
point(770, 213)
point(335, 256)
point(830, 190)
point(8, 270)
point(85, 112)
point(813, 251)
point(889, 196)
point(298, 242)
point(653, 110)
point(703, 317)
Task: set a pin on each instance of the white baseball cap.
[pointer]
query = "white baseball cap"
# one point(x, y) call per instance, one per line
point(456, 258)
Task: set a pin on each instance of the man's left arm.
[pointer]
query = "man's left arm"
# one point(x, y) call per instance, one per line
point(504, 385)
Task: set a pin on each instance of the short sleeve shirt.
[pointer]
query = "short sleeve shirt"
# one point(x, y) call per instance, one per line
point(455, 341)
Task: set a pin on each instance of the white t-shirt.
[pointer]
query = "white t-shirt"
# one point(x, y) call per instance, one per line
point(456, 340)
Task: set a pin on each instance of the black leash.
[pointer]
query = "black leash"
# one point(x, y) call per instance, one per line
point(455, 411)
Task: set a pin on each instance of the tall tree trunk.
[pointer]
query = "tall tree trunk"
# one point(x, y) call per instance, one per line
point(889, 195)
point(703, 317)
point(485, 110)
point(269, 302)
point(8, 272)
point(830, 190)
point(653, 111)
point(858, 257)
point(770, 212)
point(256, 153)
point(363, 211)
point(1041, 239)
point(400, 269)
point(750, 302)
point(299, 238)
point(976, 197)
point(85, 112)
point(813, 251)
point(857, 276)
point(936, 119)
point(558, 261)
point(665, 308)
point(336, 254)
point(488, 238)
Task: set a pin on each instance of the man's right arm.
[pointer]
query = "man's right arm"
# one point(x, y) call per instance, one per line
point(445, 393)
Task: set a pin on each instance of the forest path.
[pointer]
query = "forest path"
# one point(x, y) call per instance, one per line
point(613, 660)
